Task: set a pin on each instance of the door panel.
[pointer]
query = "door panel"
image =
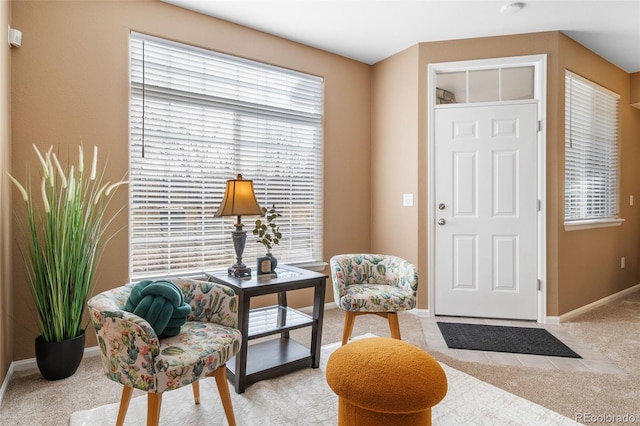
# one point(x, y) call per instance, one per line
point(486, 236)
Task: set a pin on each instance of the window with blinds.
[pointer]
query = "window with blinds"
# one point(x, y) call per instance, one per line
point(197, 119)
point(591, 151)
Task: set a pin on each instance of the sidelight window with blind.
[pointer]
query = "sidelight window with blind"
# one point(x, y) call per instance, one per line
point(198, 118)
point(591, 152)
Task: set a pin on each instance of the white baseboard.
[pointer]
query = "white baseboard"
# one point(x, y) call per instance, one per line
point(421, 313)
point(5, 383)
point(26, 364)
point(586, 308)
point(309, 309)
point(425, 313)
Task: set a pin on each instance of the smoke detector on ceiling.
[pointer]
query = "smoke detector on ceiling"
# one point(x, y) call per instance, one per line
point(511, 8)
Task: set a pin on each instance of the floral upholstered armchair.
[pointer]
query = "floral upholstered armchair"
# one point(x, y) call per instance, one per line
point(373, 284)
point(133, 355)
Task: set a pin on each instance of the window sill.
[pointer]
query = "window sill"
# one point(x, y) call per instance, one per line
point(317, 266)
point(591, 224)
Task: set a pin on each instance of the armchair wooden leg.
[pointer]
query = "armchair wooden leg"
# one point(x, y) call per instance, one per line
point(349, 319)
point(220, 375)
point(196, 391)
point(124, 404)
point(154, 403)
point(394, 326)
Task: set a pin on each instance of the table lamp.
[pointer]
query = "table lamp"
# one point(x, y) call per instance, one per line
point(239, 200)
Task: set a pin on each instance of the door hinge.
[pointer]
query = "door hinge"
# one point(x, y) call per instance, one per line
point(539, 285)
point(539, 205)
point(539, 125)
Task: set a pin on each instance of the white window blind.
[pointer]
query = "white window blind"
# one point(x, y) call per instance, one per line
point(198, 118)
point(591, 151)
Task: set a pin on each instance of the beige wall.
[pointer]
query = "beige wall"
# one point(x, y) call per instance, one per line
point(589, 266)
point(6, 330)
point(635, 89)
point(582, 266)
point(394, 163)
point(70, 83)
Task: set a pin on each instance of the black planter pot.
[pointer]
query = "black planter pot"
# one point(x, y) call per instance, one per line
point(59, 360)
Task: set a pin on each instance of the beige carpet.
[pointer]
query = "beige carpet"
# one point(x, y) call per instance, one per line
point(304, 398)
point(31, 400)
point(613, 330)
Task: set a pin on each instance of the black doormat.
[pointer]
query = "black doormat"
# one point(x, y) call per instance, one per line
point(494, 338)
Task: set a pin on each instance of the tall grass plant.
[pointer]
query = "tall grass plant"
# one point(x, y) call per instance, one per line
point(65, 230)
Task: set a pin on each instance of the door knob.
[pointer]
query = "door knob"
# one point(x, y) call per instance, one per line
point(441, 222)
point(441, 206)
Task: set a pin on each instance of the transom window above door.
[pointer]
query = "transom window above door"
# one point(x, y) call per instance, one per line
point(485, 85)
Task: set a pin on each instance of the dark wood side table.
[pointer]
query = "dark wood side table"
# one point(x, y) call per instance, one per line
point(274, 357)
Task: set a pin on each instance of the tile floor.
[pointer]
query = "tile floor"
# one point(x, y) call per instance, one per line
point(591, 360)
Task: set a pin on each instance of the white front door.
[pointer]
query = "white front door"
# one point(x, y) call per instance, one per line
point(486, 211)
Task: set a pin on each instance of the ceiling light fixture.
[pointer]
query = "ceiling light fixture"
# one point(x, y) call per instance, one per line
point(511, 8)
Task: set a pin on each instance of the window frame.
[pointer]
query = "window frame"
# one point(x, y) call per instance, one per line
point(590, 148)
point(257, 125)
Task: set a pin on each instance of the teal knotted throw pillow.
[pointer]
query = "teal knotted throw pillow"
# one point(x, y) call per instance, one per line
point(161, 304)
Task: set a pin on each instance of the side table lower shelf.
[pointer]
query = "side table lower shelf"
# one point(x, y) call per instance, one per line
point(272, 358)
point(272, 353)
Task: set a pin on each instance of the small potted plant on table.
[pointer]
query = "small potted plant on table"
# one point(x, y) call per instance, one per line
point(268, 233)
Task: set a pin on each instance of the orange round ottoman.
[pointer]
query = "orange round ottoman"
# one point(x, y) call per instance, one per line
point(383, 381)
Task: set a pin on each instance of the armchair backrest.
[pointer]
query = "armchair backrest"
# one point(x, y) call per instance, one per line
point(129, 344)
point(210, 302)
point(350, 269)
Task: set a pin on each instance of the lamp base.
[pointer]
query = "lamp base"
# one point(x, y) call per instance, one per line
point(239, 271)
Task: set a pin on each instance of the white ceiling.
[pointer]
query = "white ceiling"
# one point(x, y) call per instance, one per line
point(369, 31)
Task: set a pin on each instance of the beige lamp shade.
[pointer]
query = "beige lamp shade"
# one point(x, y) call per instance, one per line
point(239, 199)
